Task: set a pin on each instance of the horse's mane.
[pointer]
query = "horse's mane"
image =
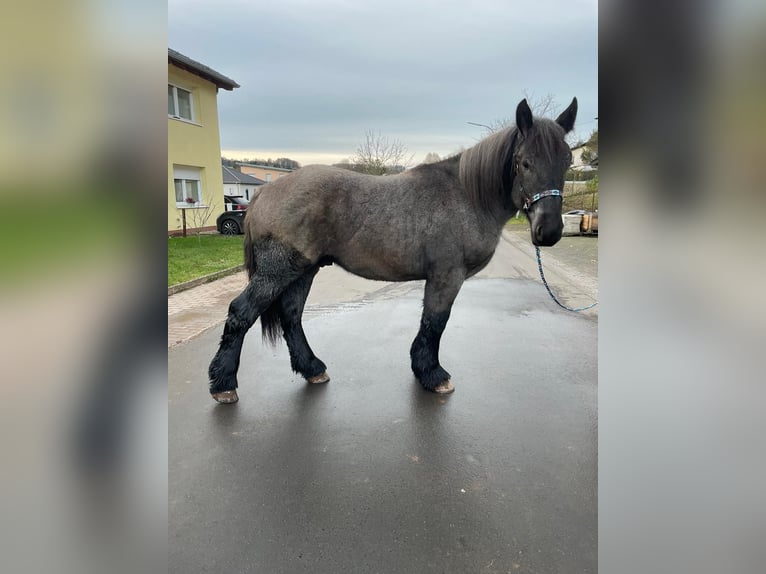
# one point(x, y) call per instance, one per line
point(486, 169)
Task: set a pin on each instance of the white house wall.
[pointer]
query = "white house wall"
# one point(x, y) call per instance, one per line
point(239, 190)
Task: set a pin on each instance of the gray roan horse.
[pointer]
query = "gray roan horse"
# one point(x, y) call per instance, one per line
point(440, 222)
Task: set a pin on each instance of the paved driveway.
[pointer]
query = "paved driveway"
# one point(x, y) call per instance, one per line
point(371, 474)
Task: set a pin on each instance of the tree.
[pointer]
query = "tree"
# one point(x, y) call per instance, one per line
point(376, 155)
point(197, 214)
point(590, 154)
point(286, 163)
point(283, 162)
point(593, 141)
point(541, 106)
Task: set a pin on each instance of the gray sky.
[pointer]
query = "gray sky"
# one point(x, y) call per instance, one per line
point(316, 74)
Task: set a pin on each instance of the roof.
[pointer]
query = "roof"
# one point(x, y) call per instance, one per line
point(201, 70)
point(271, 167)
point(233, 176)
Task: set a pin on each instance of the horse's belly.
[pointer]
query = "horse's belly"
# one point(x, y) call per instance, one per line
point(473, 267)
point(379, 268)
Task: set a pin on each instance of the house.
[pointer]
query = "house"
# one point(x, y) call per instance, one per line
point(264, 172)
point(195, 184)
point(239, 184)
point(584, 158)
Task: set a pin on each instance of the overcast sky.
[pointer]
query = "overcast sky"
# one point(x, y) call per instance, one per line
point(316, 74)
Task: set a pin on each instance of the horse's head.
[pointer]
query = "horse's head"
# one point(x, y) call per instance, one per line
point(540, 161)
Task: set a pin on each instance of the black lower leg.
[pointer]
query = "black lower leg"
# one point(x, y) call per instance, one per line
point(223, 368)
point(442, 286)
point(425, 350)
point(290, 308)
point(302, 358)
point(274, 266)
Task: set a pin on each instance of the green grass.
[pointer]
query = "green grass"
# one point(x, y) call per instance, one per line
point(516, 221)
point(192, 257)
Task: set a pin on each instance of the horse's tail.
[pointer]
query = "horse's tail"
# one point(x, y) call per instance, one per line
point(271, 325)
point(249, 252)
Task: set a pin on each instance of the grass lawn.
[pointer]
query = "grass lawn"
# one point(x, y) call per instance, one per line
point(192, 257)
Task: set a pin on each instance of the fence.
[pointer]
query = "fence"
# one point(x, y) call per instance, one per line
point(580, 195)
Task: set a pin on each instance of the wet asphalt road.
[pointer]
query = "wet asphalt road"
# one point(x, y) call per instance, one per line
point(370, 473)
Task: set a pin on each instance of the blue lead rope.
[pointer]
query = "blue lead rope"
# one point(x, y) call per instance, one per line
point(542, 276)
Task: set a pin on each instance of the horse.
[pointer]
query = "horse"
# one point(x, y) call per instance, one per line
point(438, 222)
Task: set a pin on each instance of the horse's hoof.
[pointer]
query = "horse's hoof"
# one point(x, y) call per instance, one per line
point(445, 387)
point(318, 379)
point(226, 397)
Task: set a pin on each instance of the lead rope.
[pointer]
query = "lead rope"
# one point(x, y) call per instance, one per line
point(542, 276)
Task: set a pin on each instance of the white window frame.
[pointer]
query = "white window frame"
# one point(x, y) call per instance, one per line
point(177, 109)
point(185, 175)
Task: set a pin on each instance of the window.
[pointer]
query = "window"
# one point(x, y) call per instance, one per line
point(180, 103)
point(188, 188)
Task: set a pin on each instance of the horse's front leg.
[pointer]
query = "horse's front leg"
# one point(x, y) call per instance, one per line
point(441, 290)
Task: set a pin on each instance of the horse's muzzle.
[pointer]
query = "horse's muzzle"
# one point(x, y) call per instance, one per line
point(546, 230)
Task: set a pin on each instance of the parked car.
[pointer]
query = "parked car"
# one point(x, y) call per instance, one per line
point(234, 203)
point(230, 222)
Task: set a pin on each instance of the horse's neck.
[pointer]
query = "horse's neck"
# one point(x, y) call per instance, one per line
point(496, 215)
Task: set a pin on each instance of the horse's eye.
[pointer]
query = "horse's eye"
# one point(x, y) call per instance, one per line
point(526, 164)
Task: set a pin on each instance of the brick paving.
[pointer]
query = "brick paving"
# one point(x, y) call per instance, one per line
point(193, 311)
point(197, 309)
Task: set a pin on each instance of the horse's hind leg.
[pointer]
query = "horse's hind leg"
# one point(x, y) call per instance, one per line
point(276, 267)
point(243, 311)
point(441, 290)
point(290, 309)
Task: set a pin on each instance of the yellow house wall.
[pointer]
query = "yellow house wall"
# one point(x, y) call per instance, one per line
point(195, 144)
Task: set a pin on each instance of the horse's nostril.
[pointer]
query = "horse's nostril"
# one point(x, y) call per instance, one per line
point(539, 232)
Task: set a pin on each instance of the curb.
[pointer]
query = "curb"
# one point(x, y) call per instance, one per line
point(178, 287)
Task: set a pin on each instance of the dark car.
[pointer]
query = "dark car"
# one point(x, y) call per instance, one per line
point(230, 222)
point(234, 203)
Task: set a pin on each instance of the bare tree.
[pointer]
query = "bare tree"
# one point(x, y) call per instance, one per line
point(198, 215)
point(543, 106)
point(378, 156)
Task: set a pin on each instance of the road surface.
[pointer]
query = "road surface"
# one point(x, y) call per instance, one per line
point(370, 473)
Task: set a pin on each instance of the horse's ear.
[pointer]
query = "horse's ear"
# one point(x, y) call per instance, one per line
point(567, 118)
point(523, 116)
